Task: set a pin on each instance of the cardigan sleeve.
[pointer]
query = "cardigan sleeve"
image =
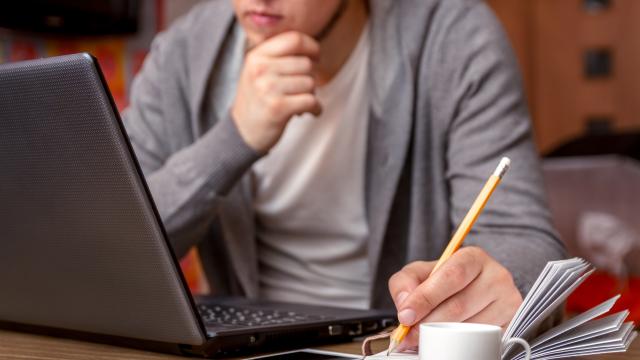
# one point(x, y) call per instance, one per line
point(489, 119)
point(186, 183)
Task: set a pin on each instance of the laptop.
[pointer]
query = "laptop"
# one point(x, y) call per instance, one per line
point(83, 252)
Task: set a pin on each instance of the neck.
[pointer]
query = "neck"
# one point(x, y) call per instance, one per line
point(338, 44)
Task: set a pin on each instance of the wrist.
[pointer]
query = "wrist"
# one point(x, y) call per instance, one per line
point(248, 133)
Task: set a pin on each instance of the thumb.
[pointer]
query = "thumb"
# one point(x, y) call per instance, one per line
point(416, 306)
point(317, 109)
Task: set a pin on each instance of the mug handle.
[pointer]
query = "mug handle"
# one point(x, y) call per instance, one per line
point(523, 343)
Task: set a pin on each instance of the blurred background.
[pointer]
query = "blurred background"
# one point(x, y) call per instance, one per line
point(580, 61)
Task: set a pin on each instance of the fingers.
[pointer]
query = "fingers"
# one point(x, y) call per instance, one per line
point(293, 65)
point(289, 43)
point(453, 276)
point(500, 312)
point(302, 103)
point(468, 302)
point(288, 65)
point(402, 283)
point(277, 82)
point(469, 287)
point(287, 85)
point(411, 340)
point(493, 314)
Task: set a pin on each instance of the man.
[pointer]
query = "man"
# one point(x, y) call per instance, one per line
point(312, 149)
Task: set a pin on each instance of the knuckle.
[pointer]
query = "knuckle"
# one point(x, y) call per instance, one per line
point(306, 65)
point(297, 39)
point(409, 266)
point(474, 257)
point(250, 58)
point(261, 85)
point(274, 106)
point(503, 275)
point(454, 273)
point(508, 278)
point(308, 100)
point(474, 253)
point(506, 274)
point(257, 67)
point(426, 301)
point(309, 82)
point(269, 86)
point(455, 309)
point(516, 298)
point(511, 304)
point(393, 280)
point(277, 106)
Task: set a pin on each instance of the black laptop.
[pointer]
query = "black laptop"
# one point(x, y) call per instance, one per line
point(83, 252)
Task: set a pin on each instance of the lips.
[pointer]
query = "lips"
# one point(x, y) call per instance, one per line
point(263, 19)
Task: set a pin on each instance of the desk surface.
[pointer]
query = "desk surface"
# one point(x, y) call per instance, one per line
point(20, 346)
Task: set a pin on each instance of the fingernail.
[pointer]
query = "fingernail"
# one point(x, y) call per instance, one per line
point(403, 295)
point(407, 317)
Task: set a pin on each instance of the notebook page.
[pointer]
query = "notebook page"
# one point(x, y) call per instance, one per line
point(547, 275)
point(614, 342)
point(597, 343)
point(576, 321)
point(532, 325)
point(533, 293)
point(587, 331)
point(565, 285)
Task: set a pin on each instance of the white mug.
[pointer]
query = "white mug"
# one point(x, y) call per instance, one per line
point(463, 341)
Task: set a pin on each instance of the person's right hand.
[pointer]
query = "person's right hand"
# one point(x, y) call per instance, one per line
point(276, 83)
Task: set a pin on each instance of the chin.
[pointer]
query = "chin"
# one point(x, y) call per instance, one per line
point(256, 39)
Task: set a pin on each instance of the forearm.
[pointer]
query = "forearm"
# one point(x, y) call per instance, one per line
point(492, 121)
point(188, 186)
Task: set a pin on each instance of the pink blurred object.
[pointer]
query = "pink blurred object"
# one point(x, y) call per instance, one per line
point(607, 240)
point(595, 202)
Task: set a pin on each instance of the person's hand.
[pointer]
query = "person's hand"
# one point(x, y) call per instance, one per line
point(469, 287)
point(276, 83)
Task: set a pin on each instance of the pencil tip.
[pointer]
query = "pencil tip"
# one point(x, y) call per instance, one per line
point(392, 346)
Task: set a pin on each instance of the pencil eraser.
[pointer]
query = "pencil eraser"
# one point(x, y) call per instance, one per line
point(503, 166)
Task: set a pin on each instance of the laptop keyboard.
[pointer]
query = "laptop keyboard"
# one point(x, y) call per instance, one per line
point(223, 315)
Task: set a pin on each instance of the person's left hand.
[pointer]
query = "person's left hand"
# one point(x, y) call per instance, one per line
point(469, 287)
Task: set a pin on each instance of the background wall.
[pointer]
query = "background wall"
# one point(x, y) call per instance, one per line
point(580, 63)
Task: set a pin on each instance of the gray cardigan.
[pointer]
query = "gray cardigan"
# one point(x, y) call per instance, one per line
point(447, 103)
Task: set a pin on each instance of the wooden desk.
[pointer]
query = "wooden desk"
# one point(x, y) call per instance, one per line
point(20, 346)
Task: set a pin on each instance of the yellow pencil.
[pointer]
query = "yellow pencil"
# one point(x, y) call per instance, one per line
point(456, 241)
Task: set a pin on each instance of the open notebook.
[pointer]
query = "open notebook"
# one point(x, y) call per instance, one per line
point(585, 334)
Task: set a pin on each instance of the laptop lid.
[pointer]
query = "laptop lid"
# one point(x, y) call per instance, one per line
point(81, 247)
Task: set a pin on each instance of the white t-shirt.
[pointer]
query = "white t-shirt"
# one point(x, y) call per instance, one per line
point(309, 198)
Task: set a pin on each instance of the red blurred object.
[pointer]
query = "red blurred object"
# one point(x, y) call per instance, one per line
point(601, 286)
point(137, 60)
point(193, 273)
point(22, 50)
